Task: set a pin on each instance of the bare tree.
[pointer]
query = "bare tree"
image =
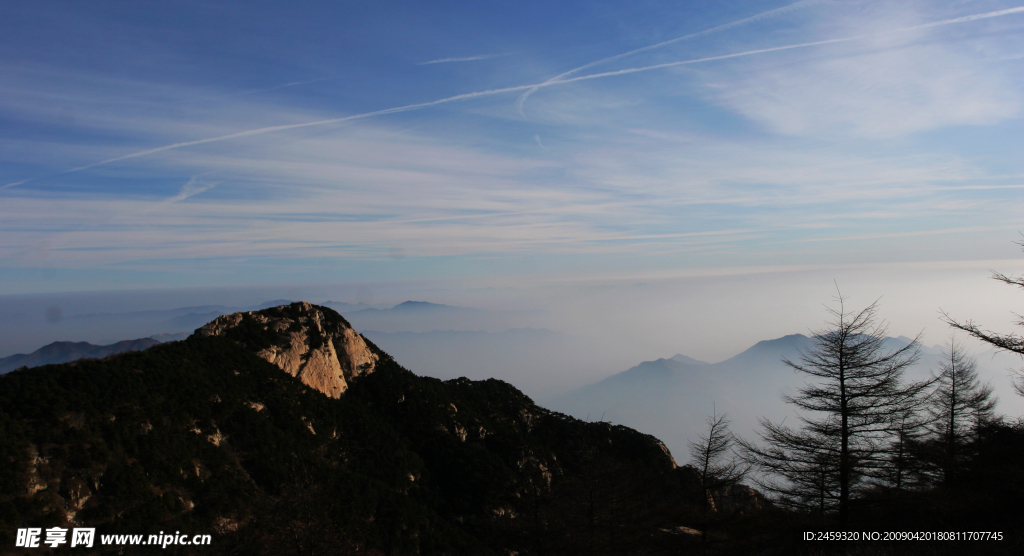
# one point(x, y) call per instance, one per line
point(715, 469)
point(1008, 342)
point(904, 468)
point(798, 468)
point(958, 406)
point(849, 413)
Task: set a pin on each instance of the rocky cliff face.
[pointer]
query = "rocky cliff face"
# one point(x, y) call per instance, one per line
point(312, 343)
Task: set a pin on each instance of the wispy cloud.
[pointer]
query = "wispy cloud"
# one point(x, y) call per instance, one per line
point(356, 193)
point(191, 188)
point(916, 233)
point(889, 82)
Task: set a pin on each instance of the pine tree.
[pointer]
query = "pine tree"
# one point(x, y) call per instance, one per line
point(799, 468)
point(850, 412)
point(1013, 343)
point(716, 471)
point(957, 407)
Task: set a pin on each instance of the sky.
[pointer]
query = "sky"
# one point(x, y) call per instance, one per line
point(703, 174)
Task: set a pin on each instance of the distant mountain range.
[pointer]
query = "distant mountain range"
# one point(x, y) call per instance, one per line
point(21, 334)
point(670, 398)
point(460, 341)
point(18, 334)
point(63, 352)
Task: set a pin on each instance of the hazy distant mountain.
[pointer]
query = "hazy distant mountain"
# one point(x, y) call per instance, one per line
point(419, 307)
point(63, 352)
point(108, 327)
point(170, 337)
point(191, 321)
point(657, 372)
point(102, 328)
point(686, 359)
point(670, 398)
point(786, 346)
point(346, 308)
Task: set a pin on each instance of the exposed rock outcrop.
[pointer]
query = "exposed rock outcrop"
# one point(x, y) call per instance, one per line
point(306, 341)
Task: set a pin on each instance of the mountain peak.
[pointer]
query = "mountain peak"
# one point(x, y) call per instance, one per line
point(787, 346)
point(687, 359)
point(307, 341)
point(413, 305)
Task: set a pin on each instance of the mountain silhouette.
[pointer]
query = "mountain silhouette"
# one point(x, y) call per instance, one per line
point(62, 352)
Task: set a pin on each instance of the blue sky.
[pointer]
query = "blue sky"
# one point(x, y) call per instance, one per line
point(197, 144)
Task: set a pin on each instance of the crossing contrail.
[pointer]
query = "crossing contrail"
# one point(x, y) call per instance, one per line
point(561, 78)
point(491, 92)
point(964, 19)
point(763, 15)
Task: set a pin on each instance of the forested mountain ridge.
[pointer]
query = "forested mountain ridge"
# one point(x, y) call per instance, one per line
point(207, 435)
point(63, 352)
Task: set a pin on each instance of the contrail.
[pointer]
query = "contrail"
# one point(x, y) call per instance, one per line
point(490, 92)
point(763, 15)
point(465, 59)
point(292, 84)
point(964, 19)
point(967, 18)
point(560, 78)
point(699, 60)
point(271, 129)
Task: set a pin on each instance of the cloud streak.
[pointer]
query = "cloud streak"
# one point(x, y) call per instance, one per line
point(445, 201)
point(192, 188)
